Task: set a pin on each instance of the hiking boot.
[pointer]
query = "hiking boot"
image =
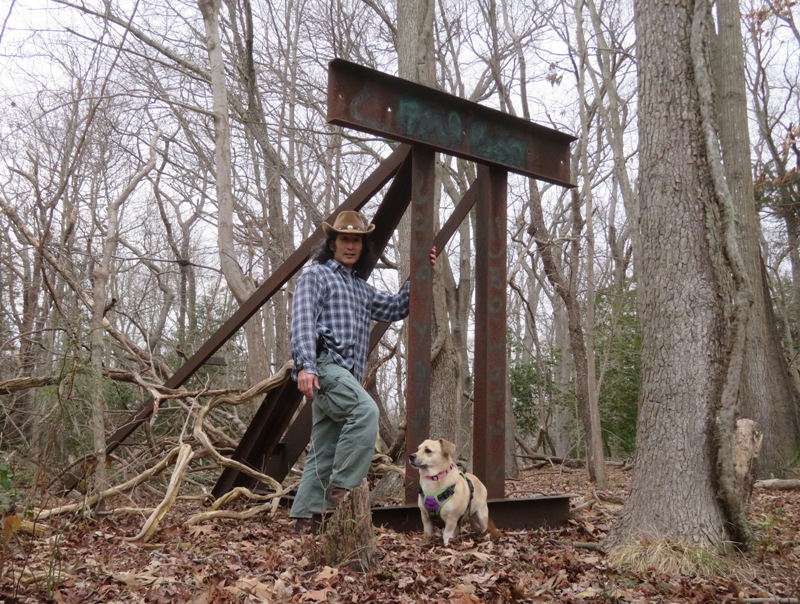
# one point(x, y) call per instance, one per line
point(306, 526)
point(338, 494)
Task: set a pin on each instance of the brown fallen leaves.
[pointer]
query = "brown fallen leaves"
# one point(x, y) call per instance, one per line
point(262, 560)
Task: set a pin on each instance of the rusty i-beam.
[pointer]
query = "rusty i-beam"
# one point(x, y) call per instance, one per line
point(431, 120)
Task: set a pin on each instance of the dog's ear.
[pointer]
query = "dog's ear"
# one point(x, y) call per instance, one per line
point(448, 448)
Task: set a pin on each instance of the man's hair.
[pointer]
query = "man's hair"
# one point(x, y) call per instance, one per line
point(323, 253)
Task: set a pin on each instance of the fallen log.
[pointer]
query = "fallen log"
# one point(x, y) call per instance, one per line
point(781, 484)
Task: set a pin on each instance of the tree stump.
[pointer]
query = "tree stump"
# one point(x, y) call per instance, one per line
point(347, 535)
point(390, 489)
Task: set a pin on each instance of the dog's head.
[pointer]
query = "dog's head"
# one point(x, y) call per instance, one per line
point(433, 456)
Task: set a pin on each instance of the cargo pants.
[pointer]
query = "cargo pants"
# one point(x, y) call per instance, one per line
point(343, 432)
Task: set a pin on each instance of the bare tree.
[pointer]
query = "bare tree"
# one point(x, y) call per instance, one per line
point(768, 395)
point(415, 52)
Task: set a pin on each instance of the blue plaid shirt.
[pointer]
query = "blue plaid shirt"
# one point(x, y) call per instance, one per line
point(334, 305)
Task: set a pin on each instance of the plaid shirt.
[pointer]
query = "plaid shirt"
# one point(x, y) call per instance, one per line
point(333, 305)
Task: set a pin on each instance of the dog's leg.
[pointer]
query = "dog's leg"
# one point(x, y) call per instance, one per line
point(450, 530)
point(427, 524)
point(480, 520)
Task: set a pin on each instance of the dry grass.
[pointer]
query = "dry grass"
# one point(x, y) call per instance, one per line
point(671, 557)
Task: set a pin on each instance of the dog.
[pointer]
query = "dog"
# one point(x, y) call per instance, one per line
point(446, 493)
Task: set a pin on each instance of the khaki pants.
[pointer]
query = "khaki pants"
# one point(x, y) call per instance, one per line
point(343, 432)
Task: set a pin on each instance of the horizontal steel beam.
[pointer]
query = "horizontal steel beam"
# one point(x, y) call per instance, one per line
point(374, 102)
point(508, 514)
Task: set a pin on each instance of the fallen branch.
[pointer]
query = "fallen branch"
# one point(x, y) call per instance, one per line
point(585, 505)
point(570, 463)
point(770, 597)
point(229, 399)
point(24, 383)
point(119, 511)
point(577, 544)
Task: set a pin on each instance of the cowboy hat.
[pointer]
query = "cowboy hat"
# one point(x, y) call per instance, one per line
point(348, 222)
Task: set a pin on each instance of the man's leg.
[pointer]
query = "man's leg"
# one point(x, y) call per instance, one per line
point(310, 497)
point(349, 403)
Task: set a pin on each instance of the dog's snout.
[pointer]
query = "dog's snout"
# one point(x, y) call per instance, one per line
point(413, 457)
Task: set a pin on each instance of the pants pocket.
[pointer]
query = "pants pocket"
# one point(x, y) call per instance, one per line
point(337, 396)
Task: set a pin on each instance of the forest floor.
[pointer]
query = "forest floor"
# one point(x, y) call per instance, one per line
point(263, 560)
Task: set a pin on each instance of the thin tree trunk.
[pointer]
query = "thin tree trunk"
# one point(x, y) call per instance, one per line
point(100, 305)
point(240, 284)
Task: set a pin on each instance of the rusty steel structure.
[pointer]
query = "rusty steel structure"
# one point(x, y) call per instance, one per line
point(425, 121)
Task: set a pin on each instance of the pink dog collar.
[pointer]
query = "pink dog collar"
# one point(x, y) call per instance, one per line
point(441, 475)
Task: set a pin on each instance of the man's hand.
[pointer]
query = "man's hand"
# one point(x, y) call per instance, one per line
point(307, 383)
point(433, 256)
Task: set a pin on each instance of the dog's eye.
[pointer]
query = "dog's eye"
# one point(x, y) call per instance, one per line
point(427, 450)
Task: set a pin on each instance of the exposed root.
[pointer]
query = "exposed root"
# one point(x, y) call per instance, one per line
point(237, 493)
point(185, 455)
point(89, 502)
point(271, 506)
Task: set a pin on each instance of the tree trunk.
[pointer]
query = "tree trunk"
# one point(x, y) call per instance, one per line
point(768, 394)
point(416, 62)
point(675, 490)
point(240, 284)
point(567, 291)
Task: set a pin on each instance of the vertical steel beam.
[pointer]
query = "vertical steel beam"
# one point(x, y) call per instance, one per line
point(490, 330)
point(419, 319)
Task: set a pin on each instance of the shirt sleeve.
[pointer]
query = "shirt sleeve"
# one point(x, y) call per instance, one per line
point(390, 307)
point(306, 306)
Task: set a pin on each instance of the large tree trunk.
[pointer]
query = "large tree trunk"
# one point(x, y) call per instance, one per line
point(768, 394)
point(677, 488)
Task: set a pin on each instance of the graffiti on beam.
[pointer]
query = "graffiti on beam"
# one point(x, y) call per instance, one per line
point(429, 123)
point(505, 150)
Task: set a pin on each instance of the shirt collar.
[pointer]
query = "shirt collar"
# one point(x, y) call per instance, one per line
point(336, 266)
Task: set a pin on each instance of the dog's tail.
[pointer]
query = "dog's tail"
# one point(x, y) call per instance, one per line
point(492, 530)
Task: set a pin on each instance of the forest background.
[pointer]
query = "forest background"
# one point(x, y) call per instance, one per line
point(125, 246)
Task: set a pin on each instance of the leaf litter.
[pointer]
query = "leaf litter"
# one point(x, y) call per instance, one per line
point(263, 560)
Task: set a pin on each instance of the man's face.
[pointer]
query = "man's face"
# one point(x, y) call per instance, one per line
point(347, 249)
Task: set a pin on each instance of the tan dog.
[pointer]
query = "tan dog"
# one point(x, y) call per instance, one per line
point(445, 492)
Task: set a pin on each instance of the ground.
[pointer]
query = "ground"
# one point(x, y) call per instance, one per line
point(263, 560)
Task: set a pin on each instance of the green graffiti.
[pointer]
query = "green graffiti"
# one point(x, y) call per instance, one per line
point(428, 123)
point(506, 151)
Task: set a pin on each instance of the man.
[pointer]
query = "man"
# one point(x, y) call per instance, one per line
point(331, 315)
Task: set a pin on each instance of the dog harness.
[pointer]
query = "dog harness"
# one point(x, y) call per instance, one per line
point(434, 502)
